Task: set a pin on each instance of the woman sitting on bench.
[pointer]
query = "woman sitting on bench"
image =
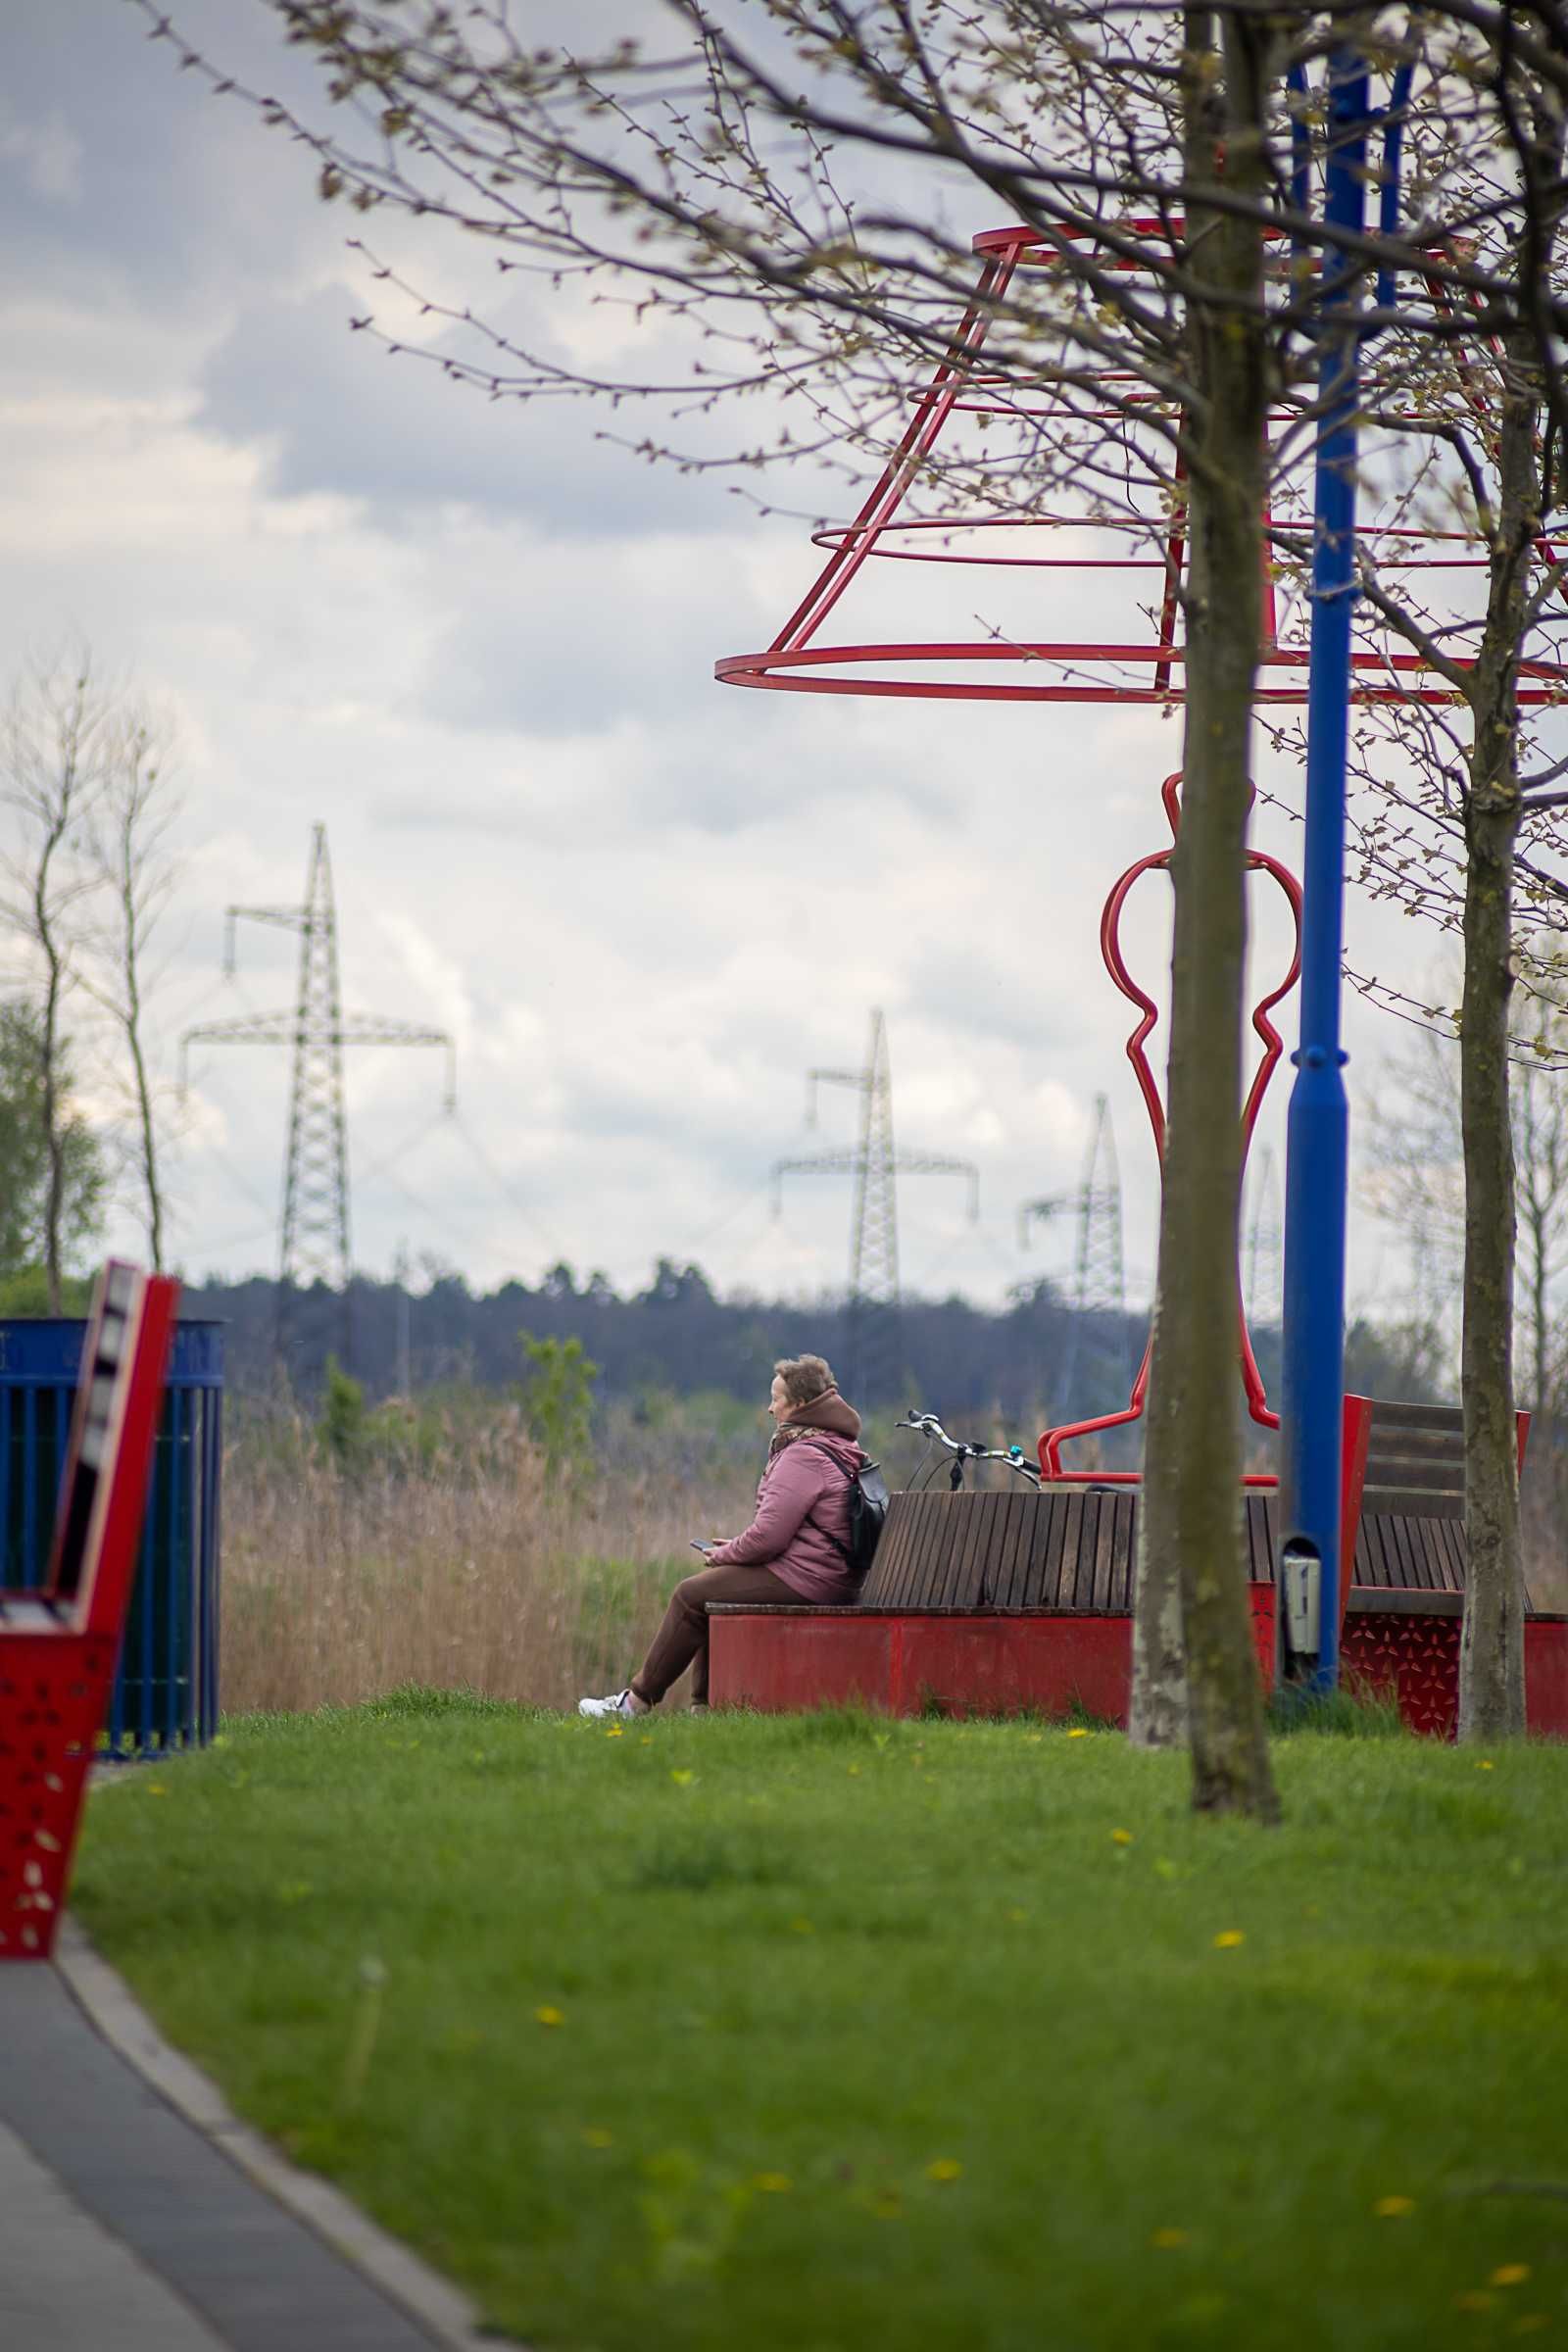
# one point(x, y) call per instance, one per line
point(796, 1548)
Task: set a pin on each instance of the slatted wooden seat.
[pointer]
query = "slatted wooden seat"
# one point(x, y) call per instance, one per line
point(1404, 1497)
point(1058, 1550)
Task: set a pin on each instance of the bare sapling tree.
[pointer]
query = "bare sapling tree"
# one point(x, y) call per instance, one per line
point(1192, 1511)
point(54, 746)
point(128, 832)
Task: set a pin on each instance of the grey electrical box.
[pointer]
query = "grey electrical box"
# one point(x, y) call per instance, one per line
point(1300, 1583)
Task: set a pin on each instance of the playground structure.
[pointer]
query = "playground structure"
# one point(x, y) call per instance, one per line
point(58, 1644)
point(960, 1569)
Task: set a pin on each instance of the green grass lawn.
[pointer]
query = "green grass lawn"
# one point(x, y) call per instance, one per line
point(825, 2033)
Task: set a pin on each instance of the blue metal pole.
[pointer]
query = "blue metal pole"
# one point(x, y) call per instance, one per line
point(1317, 1132)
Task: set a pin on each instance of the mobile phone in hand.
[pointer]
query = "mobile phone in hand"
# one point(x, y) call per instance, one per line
point(703, 1547)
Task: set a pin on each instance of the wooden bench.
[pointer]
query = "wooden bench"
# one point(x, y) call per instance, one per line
point(1403, 1602)
point(1024, 1598)
point(1403, 1528)
point(982, 1602)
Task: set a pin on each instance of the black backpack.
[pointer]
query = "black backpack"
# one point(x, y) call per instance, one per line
point(868, 1508)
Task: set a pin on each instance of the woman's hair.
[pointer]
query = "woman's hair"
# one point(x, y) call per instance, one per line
point(806, 1377)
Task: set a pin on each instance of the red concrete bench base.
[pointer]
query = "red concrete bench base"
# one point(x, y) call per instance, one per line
point(902, 1663)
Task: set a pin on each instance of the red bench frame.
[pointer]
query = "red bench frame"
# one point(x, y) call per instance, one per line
point(60, 1645)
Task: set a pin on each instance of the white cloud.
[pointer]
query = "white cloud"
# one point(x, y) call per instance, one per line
point(478, 644)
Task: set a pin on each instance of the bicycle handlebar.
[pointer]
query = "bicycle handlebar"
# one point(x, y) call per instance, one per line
point(930, 1427)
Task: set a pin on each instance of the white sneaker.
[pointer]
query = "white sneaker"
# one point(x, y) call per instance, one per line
point(619, 1703)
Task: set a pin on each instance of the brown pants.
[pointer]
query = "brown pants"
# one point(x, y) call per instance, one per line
point(682, 1640)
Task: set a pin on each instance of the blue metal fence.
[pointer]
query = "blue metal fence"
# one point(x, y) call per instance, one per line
point(166, 1693)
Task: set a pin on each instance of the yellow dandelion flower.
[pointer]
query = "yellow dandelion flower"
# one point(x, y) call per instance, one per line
point(1017, 1915)
point(1033, 1738)
point(1167, 2239)
point(617, 1731)
point(681, 1777)
point(1121, 1837)
point(855, 1772)
point(1477, 2299)
point(1078, 1732)
point(944, 2168)
point(550, 2017)
point(647, 1739)
point(1393, 2209)
point(1510, 2274)
point(772, 2185)
point(156, 1788)
point(596, 2137)
point(1485, 1765)
point(1228, 1938)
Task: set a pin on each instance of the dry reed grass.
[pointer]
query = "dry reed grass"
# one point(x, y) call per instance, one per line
point(481, 1569)
point(494, 1575)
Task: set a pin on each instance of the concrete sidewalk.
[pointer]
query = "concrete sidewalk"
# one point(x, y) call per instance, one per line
point(124, 2222)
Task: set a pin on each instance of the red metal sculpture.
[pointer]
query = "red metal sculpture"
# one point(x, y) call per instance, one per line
point(1258, 862)
point(1070, 670)
point(59, 1646)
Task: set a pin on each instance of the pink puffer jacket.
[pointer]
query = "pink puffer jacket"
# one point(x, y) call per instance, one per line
point(801, 1506)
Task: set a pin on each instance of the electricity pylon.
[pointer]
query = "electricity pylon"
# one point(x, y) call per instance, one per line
point(1263, 1288)
point(313, 1246)
point(875, 1370)
point(1099, 1325)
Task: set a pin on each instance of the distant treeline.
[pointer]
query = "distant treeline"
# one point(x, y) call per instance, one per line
point(680, 1336)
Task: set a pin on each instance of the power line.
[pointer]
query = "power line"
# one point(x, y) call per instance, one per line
point(508, 1189)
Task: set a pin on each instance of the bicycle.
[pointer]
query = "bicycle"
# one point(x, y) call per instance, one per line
point(1011, 1457)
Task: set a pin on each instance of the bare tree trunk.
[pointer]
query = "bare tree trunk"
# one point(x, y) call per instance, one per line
point(138, 811)
point(51, 765)
point(1191, 1514)
point(54, 958)
point(47, 937)
point(1492, 1656)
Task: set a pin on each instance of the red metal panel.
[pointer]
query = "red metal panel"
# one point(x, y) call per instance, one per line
point(56, 1678)
point(904, 1662)
point(1415, 1659)
point(1003, 1665)
point(1547, 1677)
point(899, 1663)
point(1265, 1633)
point(781, 1664)
point(1356, 1432)
point(54, 1689)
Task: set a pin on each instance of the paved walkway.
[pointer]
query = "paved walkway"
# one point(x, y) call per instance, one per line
point(122, 2223)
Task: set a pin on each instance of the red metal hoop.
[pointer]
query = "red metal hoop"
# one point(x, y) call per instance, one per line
point(1159, 861)
point(1067, 671)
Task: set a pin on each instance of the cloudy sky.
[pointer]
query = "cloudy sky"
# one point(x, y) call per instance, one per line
point(476, 640)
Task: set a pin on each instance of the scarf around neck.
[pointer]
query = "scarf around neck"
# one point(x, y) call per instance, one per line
point(825, 1413)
